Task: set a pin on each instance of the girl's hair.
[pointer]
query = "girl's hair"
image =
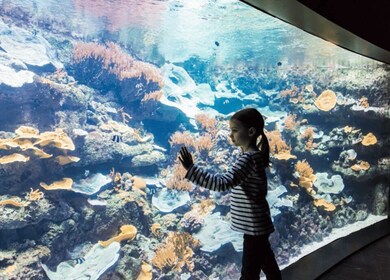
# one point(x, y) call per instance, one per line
point(250, 117)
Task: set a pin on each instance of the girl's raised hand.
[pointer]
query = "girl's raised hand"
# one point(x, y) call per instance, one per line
point(185, 158)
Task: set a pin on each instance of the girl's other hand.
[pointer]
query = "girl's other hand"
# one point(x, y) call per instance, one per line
point(185, 158)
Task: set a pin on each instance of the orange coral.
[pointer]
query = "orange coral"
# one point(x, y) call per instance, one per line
point(146, 272)
point(58, 138)
point(35, 195)
point(154, 96)
point(207, 123)
point(290, 122)
point(117, 62)
point(309, 135)
point(139, 184)
point(182, 138)
point(13, 158)
point(320, 202)
point(176, 252)
point(306, 176)
point(369, 139)
point(63, 160)
point(204, 143)
point(127, 232)
point(155, 229)
point(12, 202)
point(289, 93)
point(64, 184)
point(278, 148)
point(361, 165)
point(177, 179)
point(326, 101)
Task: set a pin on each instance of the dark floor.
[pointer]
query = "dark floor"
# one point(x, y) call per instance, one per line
point(370, 263)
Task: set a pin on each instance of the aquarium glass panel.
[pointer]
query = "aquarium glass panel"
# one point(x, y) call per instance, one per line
point(97, 98)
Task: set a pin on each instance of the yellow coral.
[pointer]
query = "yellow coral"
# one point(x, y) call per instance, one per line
point(64, 184)
point(58, 138)
point(176, 252)
point(165, 257)
point(306, 176)
point(177, 179)
point(320, 202)
point(369, 139)
point(63, 160)
point(146, 272)
point(12, 202)
point(35, 195)
point(128, 232)
point(207, 122)
point(326, 101)
point(361, 165)
point(13, 158)
point(156, 229)
point(278, 148)
point(290, 122)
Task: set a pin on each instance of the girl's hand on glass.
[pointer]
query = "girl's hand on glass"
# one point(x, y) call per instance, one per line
point(185, 158)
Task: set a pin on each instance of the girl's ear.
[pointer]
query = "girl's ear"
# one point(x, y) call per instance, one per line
point(252, 131)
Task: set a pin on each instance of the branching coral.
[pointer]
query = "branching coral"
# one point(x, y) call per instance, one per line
point(306, 176)
point(290, 122)
point(278, 148)
point(176, 252)
point(309, 135)
point(204, 143)
point(182, 138)
point(177, 179)
point(35, 195)
point(207, 123)
point(108, 67)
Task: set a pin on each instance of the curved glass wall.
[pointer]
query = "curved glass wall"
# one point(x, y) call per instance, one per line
point(97, 97)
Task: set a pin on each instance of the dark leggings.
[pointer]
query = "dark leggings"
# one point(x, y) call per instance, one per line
point(257, 257)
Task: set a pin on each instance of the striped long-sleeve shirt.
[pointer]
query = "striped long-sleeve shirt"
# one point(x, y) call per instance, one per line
point(250, 213)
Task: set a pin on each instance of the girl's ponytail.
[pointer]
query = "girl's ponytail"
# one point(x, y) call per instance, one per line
point(264, 148)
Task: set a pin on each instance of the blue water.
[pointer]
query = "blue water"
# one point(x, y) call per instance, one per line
point(96, 98)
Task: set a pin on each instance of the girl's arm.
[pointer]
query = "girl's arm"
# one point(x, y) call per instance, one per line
point(240, 171)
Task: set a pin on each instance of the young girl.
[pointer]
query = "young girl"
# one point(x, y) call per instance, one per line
point(250, 213)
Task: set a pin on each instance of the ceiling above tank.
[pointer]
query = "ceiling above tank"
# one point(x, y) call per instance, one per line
point(358, 26)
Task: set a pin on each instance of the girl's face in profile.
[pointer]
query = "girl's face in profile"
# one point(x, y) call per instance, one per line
point(239, 134)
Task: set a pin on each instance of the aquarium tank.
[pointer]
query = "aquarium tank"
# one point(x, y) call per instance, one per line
point(97, 97)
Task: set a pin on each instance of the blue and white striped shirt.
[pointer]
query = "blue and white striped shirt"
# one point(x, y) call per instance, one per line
point(248, 183)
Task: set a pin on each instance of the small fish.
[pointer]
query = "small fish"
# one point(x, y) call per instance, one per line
point(279, 63)
point(79, 260)
point(117, 138)
point(216, 43)
point(86, 173)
